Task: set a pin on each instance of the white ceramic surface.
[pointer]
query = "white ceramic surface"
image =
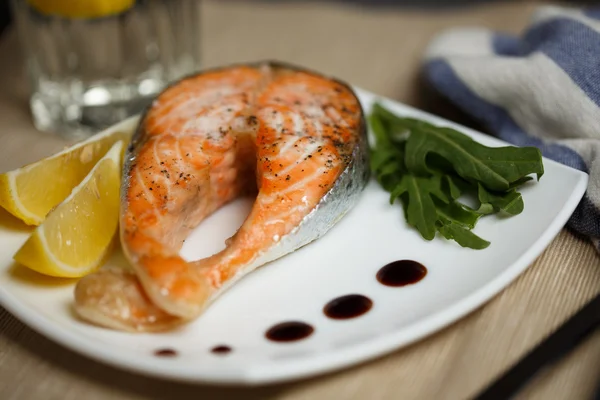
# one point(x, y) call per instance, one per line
point(297, 286)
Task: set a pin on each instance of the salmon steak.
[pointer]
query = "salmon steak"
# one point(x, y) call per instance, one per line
point(293, 138)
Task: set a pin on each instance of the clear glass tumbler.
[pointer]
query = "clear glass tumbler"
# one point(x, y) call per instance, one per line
point(92, 67)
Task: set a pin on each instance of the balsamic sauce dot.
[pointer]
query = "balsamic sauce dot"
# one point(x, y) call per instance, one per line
point(401, 273)
point(348, 306)
point(221, 349)
point(165, 353)
point(289, 331)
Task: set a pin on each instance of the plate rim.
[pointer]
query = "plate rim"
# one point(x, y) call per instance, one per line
point(343, 358)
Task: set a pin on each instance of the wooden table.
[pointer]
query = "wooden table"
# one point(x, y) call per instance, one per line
point(378, 49)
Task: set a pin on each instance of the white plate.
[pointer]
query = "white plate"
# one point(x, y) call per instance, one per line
point(297, 287)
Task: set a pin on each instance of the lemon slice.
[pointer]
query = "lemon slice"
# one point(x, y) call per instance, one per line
point(78, 235)
point(81, 8)
point(30, 192)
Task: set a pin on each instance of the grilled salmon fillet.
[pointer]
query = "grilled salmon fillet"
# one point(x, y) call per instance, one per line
point(293, 138)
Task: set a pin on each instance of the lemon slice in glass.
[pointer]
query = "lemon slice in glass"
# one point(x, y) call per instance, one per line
point(30, 192)
point(81, 8)
point(77, 236)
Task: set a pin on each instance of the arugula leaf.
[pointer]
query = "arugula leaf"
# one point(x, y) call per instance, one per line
point(395, 124)
point(510, 202)
point(387, 158)
point(485, 209)
point(421, 210)
point(429, 168)
point(455, 186)
point(495, 168)
point(457, 213)
point(379, 131)
point(463, 236)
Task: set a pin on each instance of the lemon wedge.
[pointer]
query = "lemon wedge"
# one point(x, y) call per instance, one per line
point(77, 236)
point(81, 8)
point(30, 192)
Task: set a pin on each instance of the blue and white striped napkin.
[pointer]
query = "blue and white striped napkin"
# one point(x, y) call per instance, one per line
point(540, 89)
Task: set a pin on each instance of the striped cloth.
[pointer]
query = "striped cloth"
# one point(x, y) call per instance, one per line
point(540, 89)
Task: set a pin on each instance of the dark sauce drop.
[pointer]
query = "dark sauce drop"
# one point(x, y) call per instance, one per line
point(222, 349)
point(349, 306)
point(401, 273)
point(165, 353)
point(289, 331)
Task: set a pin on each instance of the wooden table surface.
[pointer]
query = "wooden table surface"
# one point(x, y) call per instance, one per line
point(380, 50)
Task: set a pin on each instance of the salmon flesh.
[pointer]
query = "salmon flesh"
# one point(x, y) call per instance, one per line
point(293, 138)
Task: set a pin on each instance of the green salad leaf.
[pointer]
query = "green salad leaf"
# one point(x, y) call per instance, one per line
point(495, 168)
point(420, 207)
point(463, 236)
point(430, 168)
point(510, 202)
point(457, 214)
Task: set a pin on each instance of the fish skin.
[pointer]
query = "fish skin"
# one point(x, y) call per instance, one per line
point(332, 207)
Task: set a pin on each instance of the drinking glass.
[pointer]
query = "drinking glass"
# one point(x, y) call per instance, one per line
point(93, 63)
